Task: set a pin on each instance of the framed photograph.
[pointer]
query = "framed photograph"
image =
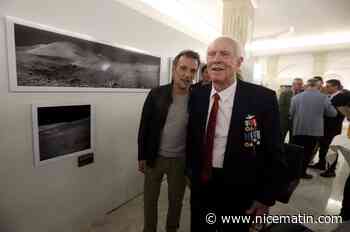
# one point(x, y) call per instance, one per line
point(62, 131)
point(42, 58)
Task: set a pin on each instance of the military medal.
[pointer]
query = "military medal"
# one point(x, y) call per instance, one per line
point(252, 134)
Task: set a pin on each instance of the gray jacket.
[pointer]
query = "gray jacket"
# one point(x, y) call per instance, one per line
point(307, 111)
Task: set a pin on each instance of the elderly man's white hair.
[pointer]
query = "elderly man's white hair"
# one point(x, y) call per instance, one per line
point(313, 83)
point(237, 47)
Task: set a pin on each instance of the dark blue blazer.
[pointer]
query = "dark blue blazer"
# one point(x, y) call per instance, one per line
point(248, 171)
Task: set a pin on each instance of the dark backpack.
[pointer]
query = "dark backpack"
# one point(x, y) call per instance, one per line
point(294, 156)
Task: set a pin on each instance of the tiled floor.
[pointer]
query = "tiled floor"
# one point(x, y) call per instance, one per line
point(318, 196)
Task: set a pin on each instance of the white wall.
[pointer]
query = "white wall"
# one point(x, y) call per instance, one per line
point(291, 66)
point(60, 196)
point(337, 66)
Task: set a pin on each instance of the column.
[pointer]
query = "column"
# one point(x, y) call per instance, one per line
point(271, 79)
point(319, 65)
point(238, 17)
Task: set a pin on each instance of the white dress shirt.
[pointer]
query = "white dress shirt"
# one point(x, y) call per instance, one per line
point(223, 120)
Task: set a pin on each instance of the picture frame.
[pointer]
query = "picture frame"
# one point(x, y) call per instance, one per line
point(46, 59)
point(62, 131)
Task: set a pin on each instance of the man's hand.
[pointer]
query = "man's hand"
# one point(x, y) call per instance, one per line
point(142, 166)
point(258, 209)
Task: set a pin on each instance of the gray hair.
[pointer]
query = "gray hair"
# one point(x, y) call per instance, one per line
point(237, 47)
point(313, 82)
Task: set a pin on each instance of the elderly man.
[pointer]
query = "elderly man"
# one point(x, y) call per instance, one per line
point(162, 141)
point(234, 146)
point(307, 112)
point(320, 84)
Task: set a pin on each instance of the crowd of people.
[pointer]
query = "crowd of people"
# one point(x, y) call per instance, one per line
point(223, 137)
point(313, 115)
point(309, 114)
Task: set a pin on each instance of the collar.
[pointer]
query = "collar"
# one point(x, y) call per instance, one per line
point(226, 93)
point(311, 90)
point(334, 94)
point(296, 92)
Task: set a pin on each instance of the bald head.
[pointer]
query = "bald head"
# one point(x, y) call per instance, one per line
point(234, 44)
point(224, 58)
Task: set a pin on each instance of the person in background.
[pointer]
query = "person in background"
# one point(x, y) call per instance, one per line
point(344, 108)
point(284, 105)
point(345, 210)
point(321, 87)
point(345, 150)
point(307, 114)
point(332, 127)
point(162, 141)
point(205, 77)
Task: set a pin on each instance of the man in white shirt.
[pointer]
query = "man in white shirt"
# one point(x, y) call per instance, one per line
point(233, 147)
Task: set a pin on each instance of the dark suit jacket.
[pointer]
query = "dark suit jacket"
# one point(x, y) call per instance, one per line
point(284, 105)
point(248, 171)
point(333, 125)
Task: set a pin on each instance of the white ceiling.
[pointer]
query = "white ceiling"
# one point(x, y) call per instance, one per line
point(208, 11)
point(308, 17)
point(202, 19)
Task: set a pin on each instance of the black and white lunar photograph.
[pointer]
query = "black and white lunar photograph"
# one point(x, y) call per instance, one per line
point(50, 59)
point(62, 130)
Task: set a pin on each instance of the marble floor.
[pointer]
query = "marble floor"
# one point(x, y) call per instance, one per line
point(318, 196)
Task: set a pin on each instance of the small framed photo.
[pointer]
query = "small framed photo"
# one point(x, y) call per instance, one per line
point(61, 131)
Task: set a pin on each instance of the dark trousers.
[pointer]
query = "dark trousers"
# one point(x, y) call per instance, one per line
point(333, 166)
point(309, 143)
point(174, 168)
point(345, 211)
point(325, 142)
point(284, 131)
point(217, 198)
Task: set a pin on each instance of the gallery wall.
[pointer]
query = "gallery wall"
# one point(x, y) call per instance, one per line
point(336, 65)
point(59, 196)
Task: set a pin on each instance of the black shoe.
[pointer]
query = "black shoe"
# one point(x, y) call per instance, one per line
point(307, 176)
point(328, 173)
point(318, 165)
